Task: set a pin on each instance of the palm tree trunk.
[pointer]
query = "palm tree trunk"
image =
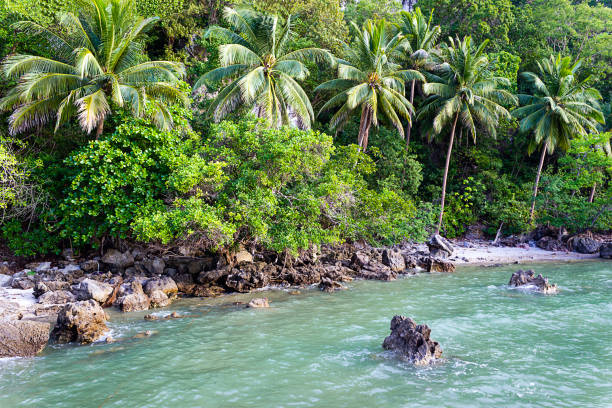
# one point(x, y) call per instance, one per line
point(592, 196)
point(409, 128)
point(537, 181)
point(100, 129)
point(364, 128)
point(448, 156)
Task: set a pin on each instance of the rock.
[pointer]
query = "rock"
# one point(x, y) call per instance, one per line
point(215, 276)
point(22, 338)
point(412, 342)
point(159, 299)
point(117, 259)
point(360, 259)
point(436, 265)
point(91, 289)
point(368, 268)
point(605, 250)
point(22, 282)
point(394, 260)
point(82, 322)
point(131, 297)
point(439, 247)
point(154, 266)
point(302, 276)
point(164, 284)
point(242, 256)
point(57, 297)
point(5, 280)
point(39, 266)
point(527, 279)
point(68, 254)
point(583, 244)
point(330, 286)
point(246, 277)
point(258, 303)
point(90, 266)
point(550, 244)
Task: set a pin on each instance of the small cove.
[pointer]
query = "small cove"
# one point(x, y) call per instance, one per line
point(502, 347)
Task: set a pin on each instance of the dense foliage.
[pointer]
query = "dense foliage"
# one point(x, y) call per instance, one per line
point(402, 98)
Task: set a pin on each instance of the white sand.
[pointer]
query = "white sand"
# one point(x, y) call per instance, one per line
point(483, 254)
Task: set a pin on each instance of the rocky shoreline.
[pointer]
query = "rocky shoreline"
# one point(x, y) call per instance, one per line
point(60, 293)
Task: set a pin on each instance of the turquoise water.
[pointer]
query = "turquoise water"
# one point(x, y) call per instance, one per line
point(503, 348)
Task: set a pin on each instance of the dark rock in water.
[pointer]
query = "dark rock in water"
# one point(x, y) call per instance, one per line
point(368, 268)
point(330, 286)
point(22, 338)
point(527, 278)
point(131, 297)
point(583, 244)
point(302, 276)
point(92, 289)
point(258, 303)
point(550, 244)
point(439, 247)
point(82, 322)
point(605, 251)
point(412, 342)
point(436, 265)
point(246, 277)
point(394, 260)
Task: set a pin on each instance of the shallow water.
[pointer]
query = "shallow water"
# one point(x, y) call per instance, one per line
point(503, 348)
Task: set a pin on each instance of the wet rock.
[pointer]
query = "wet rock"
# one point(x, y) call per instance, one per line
point(22, 338)
point(368, 268)
point(57, 297)
point(82, 322)
point(412, 342)
point(118, 259)
point(394, 260)
point(550, 244)
point(131, 297)
point(528, 280)
point(91, 289)
point(246, 277)
point(302, 276)
point(207, 291)
point(159, 299)
point(436, 265)
point(164, 284)
point(583, 244)
point(258, 303)
point(605, 251)
point(439, 247)
point(329, 286)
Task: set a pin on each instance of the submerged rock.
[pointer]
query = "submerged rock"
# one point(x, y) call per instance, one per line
point(527, 279)
point(412, 342)
point(440, 247)
point(436, 265)
point(22, 338)
point(258, 303)
point(330, 286)
point(82, 322)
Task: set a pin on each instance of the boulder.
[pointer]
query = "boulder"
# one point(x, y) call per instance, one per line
point(22, 282)
point(550, 244)
point(301, 276)
point(330, 286)
point(394, 260)
point(154, 266)
point(22, 338)
point(57, 297)
point(242, 256)
point(159, 299)
point(368, 268)
point(528, 280)
point(131, 297)
point(5, 280)
point(583, 244)
point(246, 277)
point(412, 342)
point(258, 303)
point(439, 247)
point(216, 276)
point(164, 284)
point(91, 289)
point(436, 265)
point(118, 259)
point(82, 322)
point(605, 251)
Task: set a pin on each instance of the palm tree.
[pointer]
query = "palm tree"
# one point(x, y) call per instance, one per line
point(463, 88)
point(370, 79)
point(421, 38)
point(96, 61)
point(558, 107)
point(260, 69)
